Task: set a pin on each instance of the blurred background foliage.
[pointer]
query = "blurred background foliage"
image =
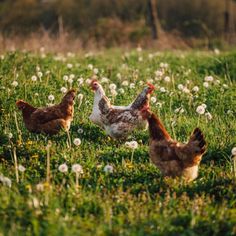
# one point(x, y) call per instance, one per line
point(119, 21)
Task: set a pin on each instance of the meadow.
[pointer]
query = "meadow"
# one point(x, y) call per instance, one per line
point(112, 195)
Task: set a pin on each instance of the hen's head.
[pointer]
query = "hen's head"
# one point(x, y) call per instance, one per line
point(95, 85)
point(70, 96)
point(150, 88)
point(21, 105)
point(145, 112)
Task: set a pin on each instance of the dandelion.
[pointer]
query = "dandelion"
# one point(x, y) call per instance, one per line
point(63, 90)
point(132, 145)
point(113, 93)
point(6, 181)
point(10, 135)
point(186, 90)
point(162, 89)
point(209, 78)
point(40, 187)
point(200, 110)
point(167, 79)
point(39, 74)
point(132, 85)
point(104, 80)
point(121, 90)
point(118, 75)
point(72, 76)
point(140, 59)
point(180, 87)
point(34, 78)
point(206, 84)
point(125, 83)
point(95, 71)
point(88, 81)
point(159, 73)
point(14, 83)
point(63, 168)
point(80, 130)
point(21, 168)
point(225, 86)
point(65, 77)
point(69, 65)
point(77, 141)
point(80, 97)
point(153, 99)
point(108, 169)
point(90, 66)
point(208, 115)
point(195, 89)
point(51, 97)
point(112, 86)
point(77, 168)
point(204, 105)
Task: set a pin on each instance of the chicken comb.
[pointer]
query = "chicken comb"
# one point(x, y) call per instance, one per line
point(93, 81)
point(151, 86)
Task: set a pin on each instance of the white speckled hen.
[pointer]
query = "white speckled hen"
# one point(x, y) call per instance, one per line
point(118, 121)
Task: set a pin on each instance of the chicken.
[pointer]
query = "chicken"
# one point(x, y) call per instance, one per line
point(49, 120)
point(171, 157)
point(118, 121)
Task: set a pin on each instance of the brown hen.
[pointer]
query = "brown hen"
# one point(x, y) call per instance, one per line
point(171, 157)
point(49, 120)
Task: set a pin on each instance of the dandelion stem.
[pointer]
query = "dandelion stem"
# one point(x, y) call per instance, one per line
point(132, 156)
point(48, 162)
point(76, 181)
point(16, 165)
point(198, 121)
point(234, 165)
point(17, 128)
point(69, 139)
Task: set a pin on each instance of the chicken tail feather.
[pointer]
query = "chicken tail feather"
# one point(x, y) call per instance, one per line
point(198, 139)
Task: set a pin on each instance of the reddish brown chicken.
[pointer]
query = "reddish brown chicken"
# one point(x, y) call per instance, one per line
point(171, 157)
point(49, 120)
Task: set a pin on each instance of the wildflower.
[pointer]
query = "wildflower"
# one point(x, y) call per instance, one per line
point(51, 97)
point(153, 99)
point(208, 115)
point(21, 168)
point(132, 144)
point(10, 135)
point(121, 90)
point(195, 89)
point(90, 66)
point(72, 76)
point(6, 181)
point(77, 168)
point(186, 90)
point(63, 168)
point(125, 83)
point(39, 74)
point(113, 93)
point(70, 80)
point(65, 77)
point(14, 83)
point(158, 73)
point(108, 169)
point(95, 71)
point(140, 59)
point(162, 89)
point(180, 87)
point(204, 105)
point(132, 85)
point(40, 187)
point(80, 96)
point(167, 79)
point(112, 86)
point(141, 82)
point(206, 84)
point(233, 151)
point(225, 86)
point(200, 110)
point(209, 78)
point(80, 130)
point(34, 78)
point(69, 65)
point(104, 80)
point(77, 141)
point(63, 89)
point(118, 75)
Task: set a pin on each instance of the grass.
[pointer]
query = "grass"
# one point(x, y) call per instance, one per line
point(135, 199)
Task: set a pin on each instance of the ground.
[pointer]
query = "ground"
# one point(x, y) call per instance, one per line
point(116, 196)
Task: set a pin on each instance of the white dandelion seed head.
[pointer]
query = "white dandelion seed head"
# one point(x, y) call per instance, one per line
point(104, 80)
point(108, 169)
point(63, 168)
point(132, 144)
point(206, 84)
point(34, 78)
point(112, 87)
point(208, 115)
point(39, 74)
point(125, 83)
point(158, 73)
point(63, 89)
point(69, 65)
point(162, 89)
point(77, 141)
point(141, 82)
point(6, 181)
point(195, 89)
point(65, 77)
point(121, 90)
point(80, 130)
point(90, 66)
point(77, 168)
point(10, 135)
point(153, 99)
point(200, 110)
point(233, 151)
point(40, 187)
point(204, 105)
point(14, 83)
point(167, 79)
point(118, 75)
point(95, 71)
point(70, 81)
point(51, 97)
point(209, 78)
point(80, 96)
point(71, 76)
point(180, 87)
point(132, 85)
point(21, 168)
point(80, 80)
